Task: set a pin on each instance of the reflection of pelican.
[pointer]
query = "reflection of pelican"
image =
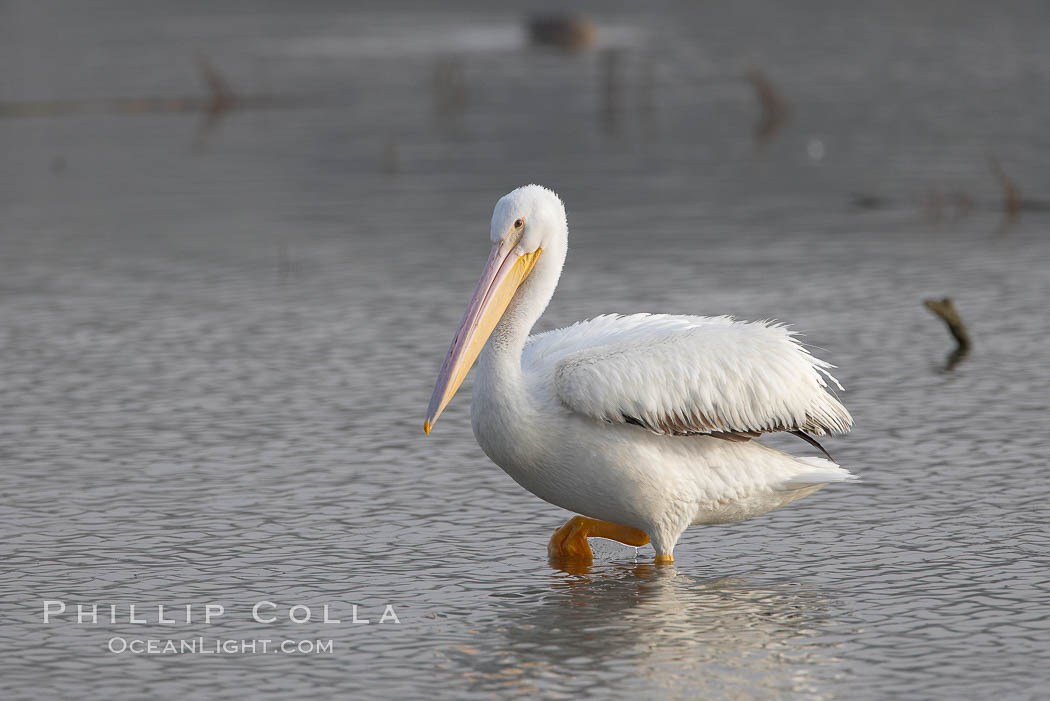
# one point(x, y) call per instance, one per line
point(644, 628)
point(644, 422)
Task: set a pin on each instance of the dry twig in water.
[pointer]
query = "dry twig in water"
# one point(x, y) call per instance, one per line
point(774, 108)
point(1011, 195)
point(945, 309)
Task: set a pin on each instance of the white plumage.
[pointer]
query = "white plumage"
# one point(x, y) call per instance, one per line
point(689, 374)
point(645, 421)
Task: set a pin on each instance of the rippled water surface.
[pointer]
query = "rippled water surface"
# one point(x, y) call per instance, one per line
point(218, 338)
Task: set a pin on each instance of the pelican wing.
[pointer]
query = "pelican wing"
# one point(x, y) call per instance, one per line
point(681, 375)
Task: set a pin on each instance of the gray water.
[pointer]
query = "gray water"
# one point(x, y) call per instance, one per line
point(217, 343)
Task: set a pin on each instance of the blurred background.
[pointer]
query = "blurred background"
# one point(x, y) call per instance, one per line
point(235, 239)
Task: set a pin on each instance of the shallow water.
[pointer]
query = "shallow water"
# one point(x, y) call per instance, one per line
point(218, 343)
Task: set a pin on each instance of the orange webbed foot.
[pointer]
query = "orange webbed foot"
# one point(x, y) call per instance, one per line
point(570, 541)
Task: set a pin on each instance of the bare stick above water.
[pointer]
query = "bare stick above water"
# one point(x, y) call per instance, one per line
point(774, 108)
point(945, 309)
point(1012, 202)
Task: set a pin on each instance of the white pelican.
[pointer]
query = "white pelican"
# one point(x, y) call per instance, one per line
point(642, 424)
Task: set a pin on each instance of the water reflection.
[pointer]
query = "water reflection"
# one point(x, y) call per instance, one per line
point(638, 624)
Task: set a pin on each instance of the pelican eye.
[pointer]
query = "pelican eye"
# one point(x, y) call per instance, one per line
point(519, 223)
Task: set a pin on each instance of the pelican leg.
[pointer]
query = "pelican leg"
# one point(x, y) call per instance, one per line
point(570, 541)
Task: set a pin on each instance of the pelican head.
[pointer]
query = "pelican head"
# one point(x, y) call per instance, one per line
point(524, 223)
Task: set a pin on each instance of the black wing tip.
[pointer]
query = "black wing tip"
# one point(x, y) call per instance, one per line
point(813, 442)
